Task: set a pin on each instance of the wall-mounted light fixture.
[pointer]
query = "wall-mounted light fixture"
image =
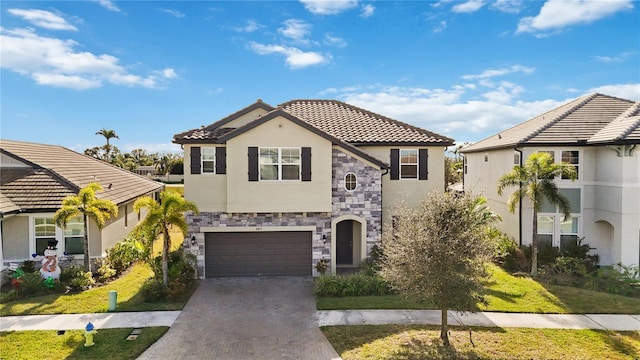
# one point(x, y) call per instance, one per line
point(324, 239)
point(193, 241)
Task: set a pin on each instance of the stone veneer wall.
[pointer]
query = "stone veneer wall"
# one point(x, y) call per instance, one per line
point(364, 202)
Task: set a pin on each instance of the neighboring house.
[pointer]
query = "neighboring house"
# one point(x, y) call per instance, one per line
point(599, 135)
point(279, 189)
point(35, 178)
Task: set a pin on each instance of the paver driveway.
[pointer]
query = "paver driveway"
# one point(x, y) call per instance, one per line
point(247, 318)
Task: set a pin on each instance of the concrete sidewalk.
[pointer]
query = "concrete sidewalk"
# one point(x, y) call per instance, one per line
point(484, 319)
point(79, 321)
point(337, 317)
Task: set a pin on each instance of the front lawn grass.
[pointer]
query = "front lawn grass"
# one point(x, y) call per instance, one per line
point(109, 344)
point(96, 300)
point(377, 342)
point(507, 293)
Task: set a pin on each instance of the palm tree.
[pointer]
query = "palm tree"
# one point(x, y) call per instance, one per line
point(86, 204)
point(535, 181)
point(108, 134)
point(162, 216)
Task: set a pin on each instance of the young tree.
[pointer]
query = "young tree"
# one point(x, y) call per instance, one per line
point(108, 135)
point(438, 251)
point(86, 204)
point(535, 181)
point(162, 216)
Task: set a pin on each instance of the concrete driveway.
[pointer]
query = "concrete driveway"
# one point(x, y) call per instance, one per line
point(247, 318)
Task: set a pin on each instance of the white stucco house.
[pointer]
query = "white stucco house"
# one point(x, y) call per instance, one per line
point(599, 135)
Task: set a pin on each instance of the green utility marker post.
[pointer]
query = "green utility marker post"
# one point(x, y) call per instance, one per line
point(113, 299)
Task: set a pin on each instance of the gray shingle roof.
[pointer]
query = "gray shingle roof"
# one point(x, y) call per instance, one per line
point(338, 119)
point(574, 123)
point(624, 127)
point(56, 172)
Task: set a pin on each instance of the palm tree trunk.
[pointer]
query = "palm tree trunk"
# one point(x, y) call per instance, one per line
point(165, 257)
point(444, 328)
point(87, 261)
point(534, 245)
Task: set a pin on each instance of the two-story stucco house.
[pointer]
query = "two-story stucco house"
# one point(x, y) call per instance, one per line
point(281, 188)
point(599, 135)
point(35, 178)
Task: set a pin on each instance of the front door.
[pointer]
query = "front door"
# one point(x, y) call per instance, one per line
point(344, 243)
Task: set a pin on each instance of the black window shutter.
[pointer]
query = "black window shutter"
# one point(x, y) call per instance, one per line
point(221, 160)
point(195, 159)
point(423, 163)
point(253, 163)
point(306, 164)
point(395, 164)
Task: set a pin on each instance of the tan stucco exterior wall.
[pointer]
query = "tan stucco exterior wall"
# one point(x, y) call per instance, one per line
point(245, 119)
point(15, 238)
point(207, 191)
point(408, 192)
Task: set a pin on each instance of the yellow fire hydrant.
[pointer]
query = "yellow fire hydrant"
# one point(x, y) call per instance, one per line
point(88, 335)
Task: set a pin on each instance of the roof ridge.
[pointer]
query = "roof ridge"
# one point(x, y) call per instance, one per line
point(629, 129)
point(554, 121)
point(370, 113)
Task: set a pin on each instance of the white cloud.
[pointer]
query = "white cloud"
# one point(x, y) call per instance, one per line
point(251, 26)
point(334, 41)
point(295, 58)
point(328, 7)
point(614, 59)
point(296, 30)
point(558, 14)
point(439, 27)
point(42, 18)
point(55, 62)
point(508, 6)
point(624, 91)
point(468, 7)
point(490, 73)
point(109, 5)
point(367, 11)
point(175, 13)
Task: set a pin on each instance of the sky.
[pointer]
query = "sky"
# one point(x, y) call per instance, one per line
point(152, 69)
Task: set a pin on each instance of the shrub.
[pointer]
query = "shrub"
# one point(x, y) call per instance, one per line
point(580, 251)
point(565, 265)
point(153, 290)
point(123, 254)
point(351, 285)
point(76, 278)
point(30, 284)
point(322, 265)
point(28, 266)
point(507, 253)
point(105, 271)
point(371, 265)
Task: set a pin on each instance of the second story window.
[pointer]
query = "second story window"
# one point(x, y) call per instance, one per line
point(208, 160)
point(572, 158)
point(350, 181)
point(409, 164)
point(280, 163)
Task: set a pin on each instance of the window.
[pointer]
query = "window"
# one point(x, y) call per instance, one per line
point(516, 158)
point(545, 230)
point(409, 164)
point(208, 160)
point(486, 157)
point(572, 158)
point(74, 236)
point(44, 231)
point(126, 215)
point(280, 163)
point(568, 231)
point(350, 182)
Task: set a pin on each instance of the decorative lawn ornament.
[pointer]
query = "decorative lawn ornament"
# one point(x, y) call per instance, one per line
point(50, 267)
point(17, 274)
point(89, 331)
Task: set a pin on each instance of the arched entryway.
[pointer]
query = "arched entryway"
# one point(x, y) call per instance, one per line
point(603, 242)
point(348, 243)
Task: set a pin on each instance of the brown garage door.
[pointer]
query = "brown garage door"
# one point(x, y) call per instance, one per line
point(286, 253)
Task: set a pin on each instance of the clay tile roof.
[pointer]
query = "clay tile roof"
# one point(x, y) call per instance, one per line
point(51, 172)
point(575, 122)
point(625, 127)
point(358, 126)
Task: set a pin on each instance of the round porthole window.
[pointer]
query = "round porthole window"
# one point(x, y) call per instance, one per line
point(350, 181)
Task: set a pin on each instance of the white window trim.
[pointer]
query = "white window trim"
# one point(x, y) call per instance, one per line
point(417, 164)
point(280, 163)
point(557, 220)
point(557, 158)
point(59, 236)
point(345, 181)
point(202, 160)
